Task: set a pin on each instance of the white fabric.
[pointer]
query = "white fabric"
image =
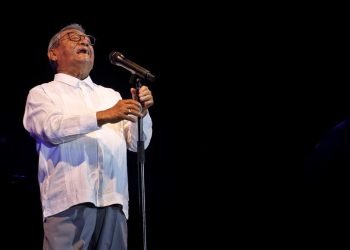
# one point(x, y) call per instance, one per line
point(79, 161)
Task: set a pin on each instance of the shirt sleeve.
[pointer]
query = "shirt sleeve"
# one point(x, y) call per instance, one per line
point(132, 132)
point(45, 120)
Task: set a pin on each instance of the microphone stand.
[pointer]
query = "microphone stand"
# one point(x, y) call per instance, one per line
point(135, 81)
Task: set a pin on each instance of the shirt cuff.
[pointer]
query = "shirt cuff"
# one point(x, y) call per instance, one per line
point(88, 123)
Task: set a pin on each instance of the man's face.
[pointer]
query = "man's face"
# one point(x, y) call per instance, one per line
point(73, 52)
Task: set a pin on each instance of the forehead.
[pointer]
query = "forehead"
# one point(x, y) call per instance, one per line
point(69, 31)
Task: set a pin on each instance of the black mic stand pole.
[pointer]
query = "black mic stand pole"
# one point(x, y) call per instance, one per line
point(135, 81)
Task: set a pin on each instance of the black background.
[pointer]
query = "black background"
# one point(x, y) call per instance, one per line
point(149, 41)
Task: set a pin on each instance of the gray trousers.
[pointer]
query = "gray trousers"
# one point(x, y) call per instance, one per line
point(86, 227)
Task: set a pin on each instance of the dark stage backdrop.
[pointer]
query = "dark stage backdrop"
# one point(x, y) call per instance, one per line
point(25, 65)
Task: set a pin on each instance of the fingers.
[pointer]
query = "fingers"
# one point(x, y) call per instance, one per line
point(133, 93)
point(131, 107)
point(145, 97)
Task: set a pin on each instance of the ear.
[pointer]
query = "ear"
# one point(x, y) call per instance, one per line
point(52, 55)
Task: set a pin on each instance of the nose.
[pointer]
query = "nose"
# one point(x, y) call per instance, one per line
point(84, 42)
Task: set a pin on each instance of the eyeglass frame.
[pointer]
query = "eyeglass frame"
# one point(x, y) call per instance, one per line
point(92, 39)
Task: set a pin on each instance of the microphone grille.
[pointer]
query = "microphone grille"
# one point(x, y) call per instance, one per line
point(115, 56)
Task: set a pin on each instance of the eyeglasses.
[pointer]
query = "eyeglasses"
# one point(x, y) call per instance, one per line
point(75, 37)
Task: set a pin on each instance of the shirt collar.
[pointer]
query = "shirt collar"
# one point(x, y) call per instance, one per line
point(73, 81)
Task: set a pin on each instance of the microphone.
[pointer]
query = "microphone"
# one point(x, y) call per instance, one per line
point(119, 59)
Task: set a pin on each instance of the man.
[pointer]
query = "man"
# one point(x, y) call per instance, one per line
point(82, 132)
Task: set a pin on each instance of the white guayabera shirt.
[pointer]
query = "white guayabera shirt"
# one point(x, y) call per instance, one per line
point(78, 160)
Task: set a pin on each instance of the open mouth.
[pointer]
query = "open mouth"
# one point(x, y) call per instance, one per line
point(83, 51)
